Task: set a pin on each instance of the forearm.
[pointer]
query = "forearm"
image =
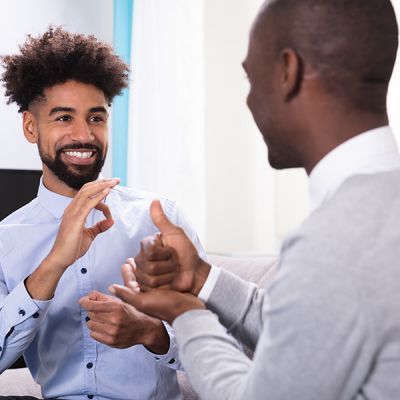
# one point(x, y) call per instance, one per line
point(157, 340)
point(42, 283)
point(170, 355)
point(239, 306)
point(215, 364)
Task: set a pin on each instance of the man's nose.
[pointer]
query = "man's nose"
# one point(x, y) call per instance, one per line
point(82, 132)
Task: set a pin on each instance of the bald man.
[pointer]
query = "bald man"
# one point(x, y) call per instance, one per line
point(328, 326)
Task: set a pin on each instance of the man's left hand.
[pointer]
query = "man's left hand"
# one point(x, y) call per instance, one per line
point(164, 304)
point(121, 325)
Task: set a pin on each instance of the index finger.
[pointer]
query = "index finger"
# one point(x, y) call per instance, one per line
point(104, 209)
point(92, 190)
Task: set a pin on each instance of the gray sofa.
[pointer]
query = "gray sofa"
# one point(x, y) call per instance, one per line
point(255, 269)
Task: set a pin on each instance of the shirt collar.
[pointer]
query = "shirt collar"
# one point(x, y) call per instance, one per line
point(53, 202)
point(370, 152)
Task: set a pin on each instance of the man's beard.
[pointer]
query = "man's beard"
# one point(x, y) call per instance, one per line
point(83, 173)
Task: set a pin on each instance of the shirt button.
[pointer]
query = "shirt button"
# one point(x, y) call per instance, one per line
point(87, 319)
point(83, 270)
point(89, 365)
point(171, 361)
point(36, 315)
point(90, 396)
point(21, 313)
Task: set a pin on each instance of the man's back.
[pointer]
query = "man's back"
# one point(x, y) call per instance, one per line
point(327, 326)
point(339, 289)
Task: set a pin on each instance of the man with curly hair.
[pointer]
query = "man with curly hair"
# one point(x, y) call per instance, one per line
point(53, 275)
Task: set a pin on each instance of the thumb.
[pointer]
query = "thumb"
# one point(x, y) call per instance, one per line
point(159, 218)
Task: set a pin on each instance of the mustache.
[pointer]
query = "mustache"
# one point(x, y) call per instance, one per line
point(78, 145)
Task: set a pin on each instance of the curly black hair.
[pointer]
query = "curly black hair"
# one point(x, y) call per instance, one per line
point(59, 56)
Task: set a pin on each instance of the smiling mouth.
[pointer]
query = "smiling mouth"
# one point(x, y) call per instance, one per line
point(80, 154)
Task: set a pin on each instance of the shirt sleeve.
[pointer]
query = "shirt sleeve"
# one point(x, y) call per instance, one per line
point(20, 319)
point(309, 347)
point(171, 358)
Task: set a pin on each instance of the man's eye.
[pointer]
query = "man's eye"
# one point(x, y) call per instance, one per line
point(63, 118)
point(96, 119)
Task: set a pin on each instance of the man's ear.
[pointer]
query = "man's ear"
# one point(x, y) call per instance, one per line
point(29, 126)
point(292, 73)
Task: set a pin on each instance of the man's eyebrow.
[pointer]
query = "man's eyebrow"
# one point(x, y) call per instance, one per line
point(61, 109)
point(100, 109)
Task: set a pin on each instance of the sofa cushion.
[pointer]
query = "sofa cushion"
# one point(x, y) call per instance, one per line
point(18, 382)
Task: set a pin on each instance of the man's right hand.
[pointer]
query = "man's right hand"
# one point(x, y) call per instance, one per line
point(169, 260)
point(73, 238)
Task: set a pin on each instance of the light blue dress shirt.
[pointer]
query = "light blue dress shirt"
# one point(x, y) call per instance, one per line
point(53, 335)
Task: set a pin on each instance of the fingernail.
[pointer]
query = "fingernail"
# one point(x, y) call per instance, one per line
point(133, 284)
point(111, 289)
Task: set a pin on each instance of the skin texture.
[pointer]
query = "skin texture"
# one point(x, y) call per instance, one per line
point(300, 121)
point(75, 113)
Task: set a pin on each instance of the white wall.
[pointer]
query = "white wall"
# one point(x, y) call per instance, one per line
point(21, 17)
point(247, 206)
point(250, 207)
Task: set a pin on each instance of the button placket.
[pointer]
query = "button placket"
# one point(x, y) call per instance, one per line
point(89, 345)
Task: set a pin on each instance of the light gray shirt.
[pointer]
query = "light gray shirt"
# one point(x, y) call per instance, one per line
point(328, 325)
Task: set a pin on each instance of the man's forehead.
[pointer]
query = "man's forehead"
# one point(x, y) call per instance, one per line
point(73, 95)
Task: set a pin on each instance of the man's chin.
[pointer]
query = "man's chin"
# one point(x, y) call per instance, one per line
point(73, 175)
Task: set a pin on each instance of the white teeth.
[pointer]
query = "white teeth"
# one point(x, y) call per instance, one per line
point(79, 154)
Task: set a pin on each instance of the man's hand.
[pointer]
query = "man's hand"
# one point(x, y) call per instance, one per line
point(163, 304)
point(169, 260)
point(73, 238)
point(121, 325)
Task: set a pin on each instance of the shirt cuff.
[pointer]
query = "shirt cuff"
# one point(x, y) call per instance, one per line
point(18, 307)
point(209, 284)
point(170, 358)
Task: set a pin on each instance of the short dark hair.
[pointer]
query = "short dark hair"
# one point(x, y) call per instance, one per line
point(59, 56)
point(351, 43)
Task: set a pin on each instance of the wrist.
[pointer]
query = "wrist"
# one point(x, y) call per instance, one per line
point(201, 275)
point(157, 340)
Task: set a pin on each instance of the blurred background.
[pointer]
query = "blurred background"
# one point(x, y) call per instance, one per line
point(183, 128)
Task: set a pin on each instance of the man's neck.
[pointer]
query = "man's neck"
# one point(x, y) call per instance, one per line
point(328, 136)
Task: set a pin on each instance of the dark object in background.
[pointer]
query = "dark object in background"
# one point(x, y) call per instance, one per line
point(18, 187)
